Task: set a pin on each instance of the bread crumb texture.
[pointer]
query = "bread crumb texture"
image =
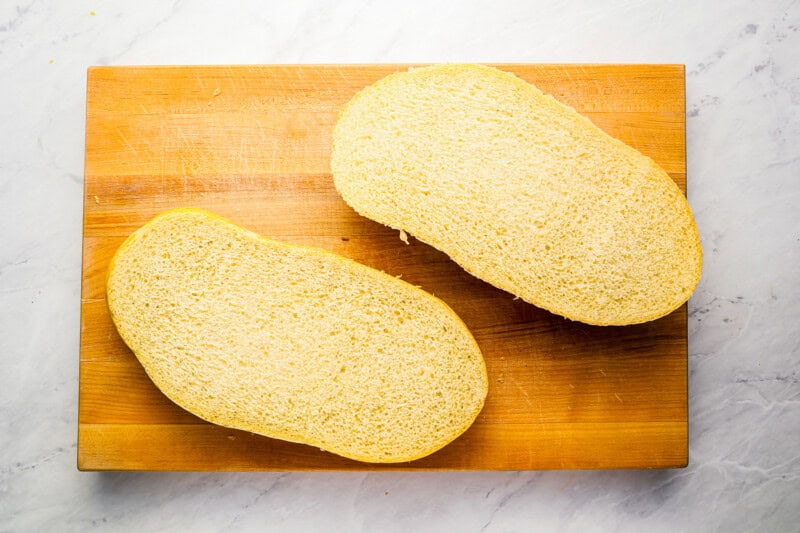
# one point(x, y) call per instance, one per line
point(293, 343)
point(521, 191)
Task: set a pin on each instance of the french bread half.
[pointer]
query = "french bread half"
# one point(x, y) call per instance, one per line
point(521, 191)
point(291, 342)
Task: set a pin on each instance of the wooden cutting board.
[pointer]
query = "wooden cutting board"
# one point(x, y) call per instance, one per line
point(252, 143)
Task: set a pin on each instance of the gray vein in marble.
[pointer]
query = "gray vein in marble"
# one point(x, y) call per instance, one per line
point(19, 16)
point(138, 37)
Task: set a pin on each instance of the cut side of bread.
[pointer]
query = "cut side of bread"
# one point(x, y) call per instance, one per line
point(521, 191)
point(291, 342)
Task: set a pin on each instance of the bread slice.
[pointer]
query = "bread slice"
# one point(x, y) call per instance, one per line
point(521, 191)
point(293, 343)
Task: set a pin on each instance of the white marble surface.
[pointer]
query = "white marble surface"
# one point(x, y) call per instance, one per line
point(743, 129)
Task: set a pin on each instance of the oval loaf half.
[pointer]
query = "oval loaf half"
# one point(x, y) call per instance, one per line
point(291, 342)
point(521, 191)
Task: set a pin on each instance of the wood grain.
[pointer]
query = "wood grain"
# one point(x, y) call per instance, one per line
point(252, 143)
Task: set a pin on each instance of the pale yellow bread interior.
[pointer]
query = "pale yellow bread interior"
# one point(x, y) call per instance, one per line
point(521, 191)
point(291, 342)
